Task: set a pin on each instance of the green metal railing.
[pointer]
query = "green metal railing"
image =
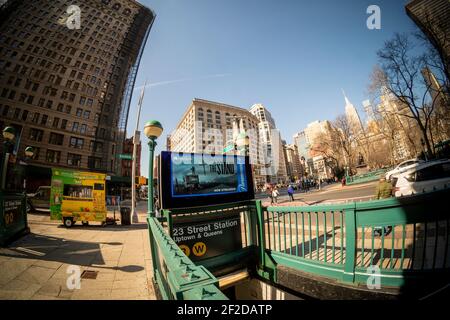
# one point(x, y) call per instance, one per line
point(177, 277)
point(337, 242)
point(340, 241)
point(366, 177)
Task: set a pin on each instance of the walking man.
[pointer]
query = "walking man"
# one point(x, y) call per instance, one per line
point(290, 191)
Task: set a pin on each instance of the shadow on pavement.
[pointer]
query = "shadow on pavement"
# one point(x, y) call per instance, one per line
point(81, 253)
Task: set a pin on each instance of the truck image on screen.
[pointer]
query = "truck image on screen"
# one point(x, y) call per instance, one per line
point(77, 196)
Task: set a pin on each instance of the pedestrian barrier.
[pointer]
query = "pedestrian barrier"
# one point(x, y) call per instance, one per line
point(366, 177)
point(403, 239)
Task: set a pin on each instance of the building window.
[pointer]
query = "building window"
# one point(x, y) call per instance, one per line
point(53, 156)
point(64, 124)
point(79, 112)
point(36, 135)
point(55, 122)
point(94, 162)
point(98, 147)
point(36, 117)
point(76, 143)
point(24, 115)
point(17, 113)
point(83, 129)
point(56, 139)
point(75, 126)
point(74, 159)
point(44, 119)
point(5, 111)
point(86, 114)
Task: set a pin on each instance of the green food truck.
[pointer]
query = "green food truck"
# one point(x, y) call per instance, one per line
point(77, 196)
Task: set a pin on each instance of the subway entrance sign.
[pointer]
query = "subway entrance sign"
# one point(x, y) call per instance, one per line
point(205, 236)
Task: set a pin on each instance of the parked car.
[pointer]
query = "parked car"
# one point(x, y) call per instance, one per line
point(402, 167)
point(40, 199)
point(425, 177)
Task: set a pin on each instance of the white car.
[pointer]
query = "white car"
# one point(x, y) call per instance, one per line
point(402, 167)
point(424, 178)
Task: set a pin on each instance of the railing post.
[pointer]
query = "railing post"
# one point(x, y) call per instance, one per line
point(153, 249)
point(350, 244)
point(262, 236)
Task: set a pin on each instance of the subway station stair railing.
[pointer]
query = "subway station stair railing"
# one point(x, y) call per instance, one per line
point(403, 241)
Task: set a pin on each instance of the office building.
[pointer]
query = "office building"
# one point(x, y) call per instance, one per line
point(65, 88)
point(212, 127)
point(127, 162)
point(271, 145)
point(433, 18)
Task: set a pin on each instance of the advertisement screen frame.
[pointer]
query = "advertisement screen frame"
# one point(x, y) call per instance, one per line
point(169, 200)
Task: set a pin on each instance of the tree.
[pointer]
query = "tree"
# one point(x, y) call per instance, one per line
point(400, 73)
point(337, 145)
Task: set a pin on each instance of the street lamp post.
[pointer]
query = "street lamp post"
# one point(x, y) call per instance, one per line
point(9, 135)
point(136, 142)
point(29, 153)
point(153, 129)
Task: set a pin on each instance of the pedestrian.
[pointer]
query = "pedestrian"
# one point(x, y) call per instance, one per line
point(290, 191)
point(383, 191)
point(275, 195)
point(269, 193)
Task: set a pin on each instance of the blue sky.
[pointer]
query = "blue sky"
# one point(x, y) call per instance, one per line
point(292, 56)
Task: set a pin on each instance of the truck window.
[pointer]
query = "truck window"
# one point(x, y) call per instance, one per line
point(77, 191)
point(99, 186)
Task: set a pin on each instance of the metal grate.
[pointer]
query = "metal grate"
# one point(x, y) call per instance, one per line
point(89, 274)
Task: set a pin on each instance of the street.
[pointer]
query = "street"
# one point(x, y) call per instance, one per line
point(333, 193)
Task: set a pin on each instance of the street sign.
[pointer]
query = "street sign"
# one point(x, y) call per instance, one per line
point(125, 156)
point(228, 148)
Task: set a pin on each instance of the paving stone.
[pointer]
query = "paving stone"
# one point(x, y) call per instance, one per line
point(36, 274)
point(12, 268)
point(48, 264)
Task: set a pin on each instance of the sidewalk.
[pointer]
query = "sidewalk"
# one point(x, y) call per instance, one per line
point(36, 266)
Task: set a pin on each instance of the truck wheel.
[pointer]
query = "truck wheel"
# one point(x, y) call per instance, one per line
point(68, 222)
point(85, 223)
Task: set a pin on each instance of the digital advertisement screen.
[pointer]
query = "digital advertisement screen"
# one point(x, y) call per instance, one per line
point(189, 179)
point(203, 174)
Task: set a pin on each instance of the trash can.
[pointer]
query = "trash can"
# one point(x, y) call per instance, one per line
point(125, 216)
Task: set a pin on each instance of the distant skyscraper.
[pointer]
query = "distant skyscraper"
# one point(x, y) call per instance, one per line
point(353, 117)
point(313, 131)
point(271, 144)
